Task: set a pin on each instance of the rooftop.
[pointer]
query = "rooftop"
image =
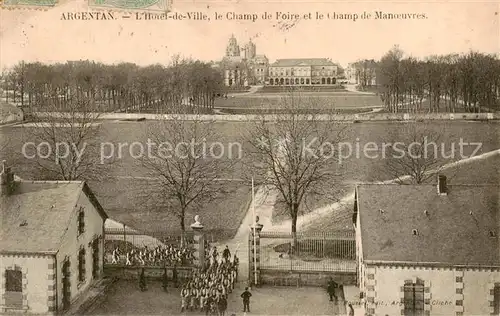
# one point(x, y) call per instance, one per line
point(413, 223)
point(303, 61)
point(35, 216)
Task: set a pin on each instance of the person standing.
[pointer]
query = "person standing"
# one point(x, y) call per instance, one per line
point(142, 281)
point(226, 254)
point(165, 280)
point(184, 299)
point(331, 289)
point(246, 300)
point(222, 305)
point(351, 310)
point(174, 276)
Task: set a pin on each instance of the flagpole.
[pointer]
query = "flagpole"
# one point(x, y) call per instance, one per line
point(254, 234)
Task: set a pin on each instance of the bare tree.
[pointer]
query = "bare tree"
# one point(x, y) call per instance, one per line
point(68, 143)
point(416, 152)
point(184, 164)
point(295, 154)
point(469, 82)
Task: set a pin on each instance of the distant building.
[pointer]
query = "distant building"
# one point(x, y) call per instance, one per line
point(303, 71)
point(51, 243)
point(259, 65)
point(245, 70)
point(363, 72)
point(427, 249)
point(243, 67)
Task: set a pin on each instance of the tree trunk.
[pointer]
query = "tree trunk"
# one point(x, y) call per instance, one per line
point(295, 214)
point(183, 228)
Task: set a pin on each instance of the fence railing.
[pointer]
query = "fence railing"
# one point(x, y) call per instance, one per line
point(130, 241)
point(322, 251)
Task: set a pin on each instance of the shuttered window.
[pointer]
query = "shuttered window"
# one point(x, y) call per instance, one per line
point(13, 288)
point(81, 221)
point(414, 298)
point(81, 265)
point(496, 299)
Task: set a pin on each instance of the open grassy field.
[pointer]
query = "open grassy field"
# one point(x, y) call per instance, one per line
point(120, 193)
point(330, 100)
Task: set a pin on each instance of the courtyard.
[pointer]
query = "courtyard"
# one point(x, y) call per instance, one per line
point(125, 298)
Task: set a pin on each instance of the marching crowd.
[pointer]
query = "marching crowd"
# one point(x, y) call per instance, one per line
point(207, 290)
point(168, 255)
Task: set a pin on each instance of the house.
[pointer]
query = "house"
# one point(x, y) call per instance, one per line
point(51, 243)
point(428, 249)
point(303, 71)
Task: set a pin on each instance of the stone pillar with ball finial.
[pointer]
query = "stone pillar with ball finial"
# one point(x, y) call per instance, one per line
point(199, 242)
point(254, 253)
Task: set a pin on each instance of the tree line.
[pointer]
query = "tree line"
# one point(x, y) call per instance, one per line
point(182, 86)
point(441, 83)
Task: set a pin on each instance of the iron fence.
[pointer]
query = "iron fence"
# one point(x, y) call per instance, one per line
point(122, 245)
point(333, 251)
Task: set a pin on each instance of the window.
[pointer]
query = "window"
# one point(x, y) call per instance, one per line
point(14, 287)
point(81, 265)
point(496, 299)
point(81, 221)
point(13, 280)
point(414, 298)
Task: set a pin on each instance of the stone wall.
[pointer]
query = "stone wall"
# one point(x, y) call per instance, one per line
point(305, 278)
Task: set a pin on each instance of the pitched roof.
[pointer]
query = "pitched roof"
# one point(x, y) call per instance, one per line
point(46, 207)
point(299, 61)
point(449, 234)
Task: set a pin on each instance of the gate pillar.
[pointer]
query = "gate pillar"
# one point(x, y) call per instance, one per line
point(199, 243)
point(254, 240)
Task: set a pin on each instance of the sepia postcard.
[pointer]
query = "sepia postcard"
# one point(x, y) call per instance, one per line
point(178, 157)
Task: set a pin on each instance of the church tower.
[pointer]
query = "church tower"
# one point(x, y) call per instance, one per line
point(232, 49)
point(250, 50)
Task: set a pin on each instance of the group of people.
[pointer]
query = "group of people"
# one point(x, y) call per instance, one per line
point(168, 255)
point(207, 289)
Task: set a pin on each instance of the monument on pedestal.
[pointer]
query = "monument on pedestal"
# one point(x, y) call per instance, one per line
point(199, 242)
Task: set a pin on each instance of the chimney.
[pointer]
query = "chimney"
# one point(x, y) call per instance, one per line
point(442, 187)
point(6, 180)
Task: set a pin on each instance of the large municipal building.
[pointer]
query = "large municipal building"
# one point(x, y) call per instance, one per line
point(243, 67)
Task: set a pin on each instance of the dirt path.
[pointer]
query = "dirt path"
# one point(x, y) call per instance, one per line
point(252, 90)
point(352, 88)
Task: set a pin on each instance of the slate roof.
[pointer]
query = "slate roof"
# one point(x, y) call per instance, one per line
point(307, 61)
point(449, 234)
point(46, 207)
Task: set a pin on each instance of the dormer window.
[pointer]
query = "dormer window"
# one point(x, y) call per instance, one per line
point(492, 234)
point(81, 221)
point(414, 232)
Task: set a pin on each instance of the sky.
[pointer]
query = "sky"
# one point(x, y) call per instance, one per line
point(450, 27)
